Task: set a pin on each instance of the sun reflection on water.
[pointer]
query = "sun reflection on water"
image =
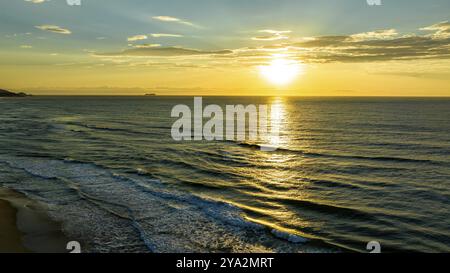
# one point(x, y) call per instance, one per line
point(276, 138)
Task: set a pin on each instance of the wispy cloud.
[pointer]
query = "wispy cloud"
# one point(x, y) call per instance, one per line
point(163, 52)
point(137, 38)
point(174, 20)
point(272, 35)
point(379, 45)
point(375, 35)
point(372, 46)
point(160, 35)
point(37, 1)
point(53, 28)
point(441, 30)
point(145, 45)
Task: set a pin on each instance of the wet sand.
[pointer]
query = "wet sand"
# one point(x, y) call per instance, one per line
point(10, 236)
point(25, 227)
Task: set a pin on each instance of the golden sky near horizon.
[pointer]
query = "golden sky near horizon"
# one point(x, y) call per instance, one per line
point(116, 48)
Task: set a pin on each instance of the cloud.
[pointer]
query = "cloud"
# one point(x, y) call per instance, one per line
point(18, 35)
point(277, 32)
point(405, 48)
point(163, 52)
point(145, 45)
point(372, 46)
point(442, 29)
point(137, 38)
point(323, 41)
point(174, 20)
point(375, 35)
point(26, 46)
point(160, 35)
point(269, 38)
point(273, 35)
point(55, 29)
point(37, 1)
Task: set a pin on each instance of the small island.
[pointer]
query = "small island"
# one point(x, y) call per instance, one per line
point(150, 95)
point(6, 93)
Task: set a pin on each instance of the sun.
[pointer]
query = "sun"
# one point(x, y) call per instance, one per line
point(281, 71)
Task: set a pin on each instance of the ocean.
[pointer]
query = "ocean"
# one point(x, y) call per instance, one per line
point(348, 171)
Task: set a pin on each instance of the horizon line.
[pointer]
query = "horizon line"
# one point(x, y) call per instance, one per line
point(288, 96)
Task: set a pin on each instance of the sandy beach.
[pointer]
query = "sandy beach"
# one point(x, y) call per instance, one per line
point(10, 236)
point(25, 227)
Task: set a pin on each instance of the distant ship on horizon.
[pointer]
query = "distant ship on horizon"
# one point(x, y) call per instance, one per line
point(150, 95)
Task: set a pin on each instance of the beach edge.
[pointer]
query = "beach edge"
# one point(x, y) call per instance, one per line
point(26, 227)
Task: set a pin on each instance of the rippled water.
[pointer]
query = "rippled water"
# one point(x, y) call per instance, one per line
point(348, 171)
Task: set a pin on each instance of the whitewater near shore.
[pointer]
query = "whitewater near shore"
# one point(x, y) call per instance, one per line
point(348, 171)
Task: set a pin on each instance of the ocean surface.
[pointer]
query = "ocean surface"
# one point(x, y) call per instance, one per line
point(348, 171)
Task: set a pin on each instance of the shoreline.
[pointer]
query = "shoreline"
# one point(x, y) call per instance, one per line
point(10, 236)
point(26, 228)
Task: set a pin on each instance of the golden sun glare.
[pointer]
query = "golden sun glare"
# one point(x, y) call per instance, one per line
point(281, 71)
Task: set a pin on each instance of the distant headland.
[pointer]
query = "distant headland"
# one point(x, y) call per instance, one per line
point(6, 93)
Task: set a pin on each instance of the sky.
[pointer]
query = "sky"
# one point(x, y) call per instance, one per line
point(226, 47)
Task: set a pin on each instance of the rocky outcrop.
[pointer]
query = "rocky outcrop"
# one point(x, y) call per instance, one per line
point(6, 93)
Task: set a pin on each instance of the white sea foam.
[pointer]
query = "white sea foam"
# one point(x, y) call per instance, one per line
point(289, 236)
point(114, 212)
